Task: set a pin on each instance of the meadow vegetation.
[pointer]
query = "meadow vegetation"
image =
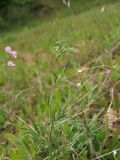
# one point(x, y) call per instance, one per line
point(62, 100)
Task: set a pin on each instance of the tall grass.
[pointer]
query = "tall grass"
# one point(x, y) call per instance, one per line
point(55, 102)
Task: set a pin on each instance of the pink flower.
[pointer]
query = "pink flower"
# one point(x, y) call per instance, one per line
point(14, 54)
point(107, 71)
point(8, 49)
point(11, 64)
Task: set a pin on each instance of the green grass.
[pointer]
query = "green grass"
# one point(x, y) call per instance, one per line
point(43, 113)
point(89, 31)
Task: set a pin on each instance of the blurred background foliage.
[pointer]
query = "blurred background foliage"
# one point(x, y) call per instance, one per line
point(12, 11)
point(19, 11)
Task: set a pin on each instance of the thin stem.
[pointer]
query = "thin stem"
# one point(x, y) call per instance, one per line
point(104, 155)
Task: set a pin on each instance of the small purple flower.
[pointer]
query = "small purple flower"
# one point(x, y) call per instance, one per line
point(107, 71)
point(11, 64)
point(8, 49)
point(14, 54)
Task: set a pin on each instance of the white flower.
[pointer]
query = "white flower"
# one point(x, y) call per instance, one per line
point(79, 84)
point(80, 70)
